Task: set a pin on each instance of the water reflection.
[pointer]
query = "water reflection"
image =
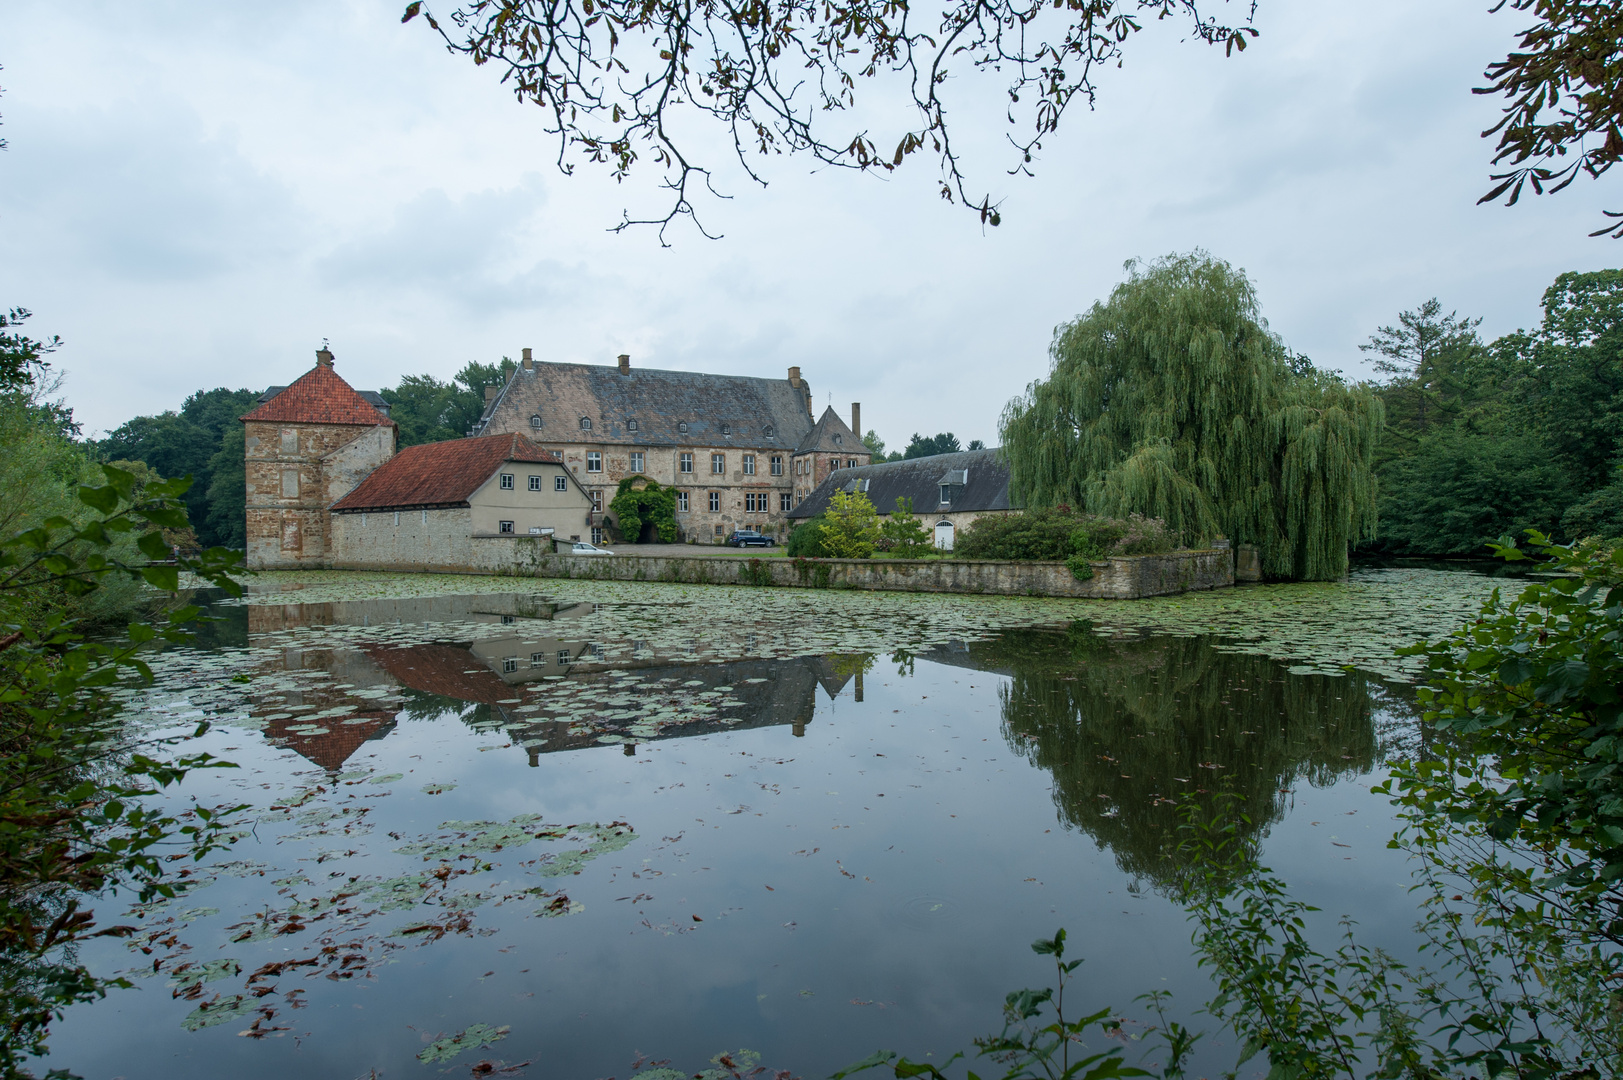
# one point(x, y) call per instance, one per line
point(1129, 727)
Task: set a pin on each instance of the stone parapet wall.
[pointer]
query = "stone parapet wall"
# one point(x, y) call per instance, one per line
point(1122, 578)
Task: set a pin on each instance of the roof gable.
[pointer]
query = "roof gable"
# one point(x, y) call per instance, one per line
point(319, 396)
point(441, 474)
point(669, 408)
point(831, 435)
point(979, 482)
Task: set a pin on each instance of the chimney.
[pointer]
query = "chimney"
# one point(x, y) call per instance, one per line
point(625, 364)
point(794, 377)
point(490, 394)
point(529, 362)
point(856, 419)
point(324, 357)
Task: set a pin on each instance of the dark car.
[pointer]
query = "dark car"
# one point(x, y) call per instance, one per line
point(748, 538)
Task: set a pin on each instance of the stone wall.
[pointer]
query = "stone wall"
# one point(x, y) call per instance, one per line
point(1122, 578)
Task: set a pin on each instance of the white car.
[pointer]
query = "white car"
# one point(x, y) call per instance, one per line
point(581, 547)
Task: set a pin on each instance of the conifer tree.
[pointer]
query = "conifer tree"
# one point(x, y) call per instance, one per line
point(1173, 400)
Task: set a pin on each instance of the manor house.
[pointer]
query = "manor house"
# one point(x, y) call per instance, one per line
point(741, 451)
point(326, 488)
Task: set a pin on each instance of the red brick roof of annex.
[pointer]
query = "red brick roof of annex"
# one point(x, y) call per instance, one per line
point(441, 474)
point(319, 396)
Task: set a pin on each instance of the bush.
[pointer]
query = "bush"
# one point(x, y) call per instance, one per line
point(1060, 535)
point(806, 541)
point(850, 526)
point(901, 535)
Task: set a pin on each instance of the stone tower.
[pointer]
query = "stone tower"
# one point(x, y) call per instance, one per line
point(307, 446)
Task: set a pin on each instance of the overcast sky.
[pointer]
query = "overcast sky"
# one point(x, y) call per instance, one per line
point(197, 193)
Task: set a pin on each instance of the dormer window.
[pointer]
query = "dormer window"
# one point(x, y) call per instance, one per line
point(535, 421)
point(946, 494)
point(682, 428)
point(631, 425)
point(838, 439)
point(726, 429)
point(586, 423)
point(766, 432)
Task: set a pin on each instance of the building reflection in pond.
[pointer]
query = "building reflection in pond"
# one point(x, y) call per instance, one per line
point(1132, 728)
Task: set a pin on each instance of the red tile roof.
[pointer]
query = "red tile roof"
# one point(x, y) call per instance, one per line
point(442, 669)
point(319, 396)
point(442, 473)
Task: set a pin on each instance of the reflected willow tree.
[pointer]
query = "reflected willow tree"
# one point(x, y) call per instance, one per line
point(1131, 729)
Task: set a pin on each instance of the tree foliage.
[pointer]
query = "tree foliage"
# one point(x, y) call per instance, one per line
point(1173, 400)
point(620, 79)
point(901, 534)
point(1564, 86)
point(929, 445)
point(428, 410)
point(850, 526)
point(639, 500)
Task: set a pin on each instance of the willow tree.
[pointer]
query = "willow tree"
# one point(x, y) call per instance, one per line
point(1173, 399)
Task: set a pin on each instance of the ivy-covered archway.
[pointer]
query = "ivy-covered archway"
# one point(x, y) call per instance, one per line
point(641, 501)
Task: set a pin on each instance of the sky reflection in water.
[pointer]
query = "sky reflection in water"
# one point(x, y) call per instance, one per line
point(489, 809)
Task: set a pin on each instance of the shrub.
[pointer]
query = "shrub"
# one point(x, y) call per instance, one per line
point(1061, 535)
point(901, 535)
point(850, 526)
point(806, 541)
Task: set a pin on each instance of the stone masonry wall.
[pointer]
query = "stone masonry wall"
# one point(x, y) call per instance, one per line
point(1122, 578)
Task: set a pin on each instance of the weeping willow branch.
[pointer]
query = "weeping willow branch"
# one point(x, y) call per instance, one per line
point(1173, 399)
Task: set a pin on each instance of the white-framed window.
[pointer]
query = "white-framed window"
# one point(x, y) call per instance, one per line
point(560, 483)
point(631, 425)
point(686, 463)
point(749, 464)
point(538, 659)
point(597, 501)
point(509, 664)
point(786, 502)
point(682, 428)
point(718, 464)
point(755, 503)
point(535, 421)
point(535, 483)
point(594, 461)
point(682, 501)
point(504, 526)
point(777, 464)
point(636, 459)
point(507, 481)
point(586, 423)
point(597, 534)
point(564, 657)
point(715, 503)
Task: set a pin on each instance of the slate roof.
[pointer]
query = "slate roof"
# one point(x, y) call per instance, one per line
point(319, 396)
point(759, 413)
point(440, 474)
point(984, 480)
point(831, 435)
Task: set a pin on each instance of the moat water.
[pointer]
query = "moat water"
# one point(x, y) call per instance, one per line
point(601, 828)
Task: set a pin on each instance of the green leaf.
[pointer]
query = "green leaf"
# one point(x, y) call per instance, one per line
point(103, 499)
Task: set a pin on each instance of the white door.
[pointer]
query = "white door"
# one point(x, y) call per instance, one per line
point(943, 535)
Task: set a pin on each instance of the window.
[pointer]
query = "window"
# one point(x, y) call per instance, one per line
point(718, 463)
point(946, 494)
point(726, 429)
point(507, 481)
point(586, 423)
point(777, 464)
point(563, 657)
point(631, 425)
point(786, 502)
point(290, 441)
point(290, 483)
point(507, 620)
point(766, 432)
point(749, 464)
point(538, 659)
point(535, 483)
point(839, 440)
point(594, 461)
point(560, 483)
point(636, 461)
point(597, 534)
point(682, 501)
point(757, 502)
point(397, 517)
point(597, 501)
point(509, 663)
point(504, 527)
point(535, 421)
point(715, 503)
point(687, 463)
point(851, 464)
point(682, 428)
